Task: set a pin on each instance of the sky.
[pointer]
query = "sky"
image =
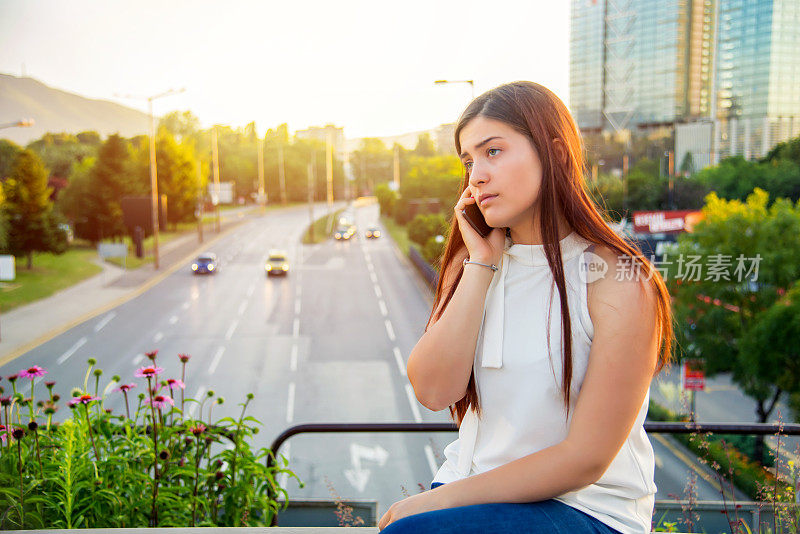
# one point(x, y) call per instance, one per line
point(366, 66)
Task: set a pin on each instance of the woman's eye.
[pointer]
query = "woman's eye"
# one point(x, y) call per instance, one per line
point(491, 149)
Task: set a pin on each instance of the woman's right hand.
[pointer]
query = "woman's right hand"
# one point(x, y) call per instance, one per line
point(487, 249)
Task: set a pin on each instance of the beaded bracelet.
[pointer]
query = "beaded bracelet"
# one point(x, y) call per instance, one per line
point(492, 267)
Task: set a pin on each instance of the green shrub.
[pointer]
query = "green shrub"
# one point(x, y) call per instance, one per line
point(152, 466)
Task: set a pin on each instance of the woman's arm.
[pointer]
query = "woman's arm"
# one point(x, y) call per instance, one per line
point(622, 361)
point(440, 364)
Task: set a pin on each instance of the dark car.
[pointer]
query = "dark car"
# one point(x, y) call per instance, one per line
point(373, 232)
point(343, 232)
point(205, 264)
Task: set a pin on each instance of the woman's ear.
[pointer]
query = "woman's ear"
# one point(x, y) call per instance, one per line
point(560, 150)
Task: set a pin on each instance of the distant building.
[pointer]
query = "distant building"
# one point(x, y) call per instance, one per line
point(723, 75)
point(329, 131)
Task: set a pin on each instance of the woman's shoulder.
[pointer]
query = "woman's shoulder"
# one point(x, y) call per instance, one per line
point(618, 284)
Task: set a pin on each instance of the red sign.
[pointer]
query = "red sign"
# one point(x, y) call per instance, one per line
point(693, 377)
point(669, 222)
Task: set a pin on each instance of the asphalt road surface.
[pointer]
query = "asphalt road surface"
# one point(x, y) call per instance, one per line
point(326, 343)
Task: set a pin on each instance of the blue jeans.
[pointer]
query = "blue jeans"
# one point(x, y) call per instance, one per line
point(546, 517)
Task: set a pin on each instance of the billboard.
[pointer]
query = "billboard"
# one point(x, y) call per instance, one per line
point(668, 222)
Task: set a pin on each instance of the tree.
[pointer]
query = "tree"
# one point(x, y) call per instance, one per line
point(8, 153)
point(109, 181)
point(425, 147)
point(31, 223)
point(725, 321)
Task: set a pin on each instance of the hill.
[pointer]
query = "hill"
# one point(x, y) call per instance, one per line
point(54, 110)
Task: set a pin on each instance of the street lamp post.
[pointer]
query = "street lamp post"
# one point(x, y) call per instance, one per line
point(470, 82)
point(153, 174)
point(22, 123)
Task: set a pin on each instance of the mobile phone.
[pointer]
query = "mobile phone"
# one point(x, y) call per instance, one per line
point(474, 217)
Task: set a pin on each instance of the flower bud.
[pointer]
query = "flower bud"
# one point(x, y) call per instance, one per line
point(32, 426)
point(91, 361)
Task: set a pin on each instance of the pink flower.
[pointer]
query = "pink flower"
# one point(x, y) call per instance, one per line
point(148, 372)
point(197, 429)
point(152, 354)
point(184, 357)
point(173, 383)
point(33, 372)
point(125, 387)
point(83, 399)
point(160, 401)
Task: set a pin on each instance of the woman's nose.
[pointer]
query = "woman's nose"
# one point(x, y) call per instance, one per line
point(477, 175)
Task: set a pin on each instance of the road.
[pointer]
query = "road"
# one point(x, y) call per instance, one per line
point(327, 343)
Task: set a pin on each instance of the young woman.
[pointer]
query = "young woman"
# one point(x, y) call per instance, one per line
point(543, 339)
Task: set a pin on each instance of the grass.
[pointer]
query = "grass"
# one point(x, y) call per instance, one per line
point(399, 234)
point(321, 228)
point(50, 273)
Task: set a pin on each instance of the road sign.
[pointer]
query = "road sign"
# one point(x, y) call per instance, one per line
point(112, 250)
point(693, 376)
point(7, 270)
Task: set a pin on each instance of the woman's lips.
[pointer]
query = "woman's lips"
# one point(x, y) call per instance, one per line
point(487, 199)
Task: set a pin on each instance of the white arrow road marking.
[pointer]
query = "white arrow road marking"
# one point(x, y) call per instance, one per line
point(412, 400)
point(215, 361)
point(71, 351)
point(399, 359)
point(99, 326)
point(357, 476)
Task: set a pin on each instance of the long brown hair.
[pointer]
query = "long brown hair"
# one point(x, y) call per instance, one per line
point(537, 113)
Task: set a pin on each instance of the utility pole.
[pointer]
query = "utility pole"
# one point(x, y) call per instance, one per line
point(262, 192)
point(202, 201)
point(311, 201)
point(215, 158)
point(329, 169)
point(282, 175)
point(397, 167)
point(671, 170)
point(625, 185)
point(153, 183)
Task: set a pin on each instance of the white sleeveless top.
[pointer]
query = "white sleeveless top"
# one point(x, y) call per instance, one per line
point(519, 386)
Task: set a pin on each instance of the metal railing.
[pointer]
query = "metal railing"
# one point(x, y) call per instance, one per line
point(652, 427)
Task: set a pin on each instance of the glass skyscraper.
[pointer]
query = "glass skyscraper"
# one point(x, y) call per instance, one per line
point(637, 64)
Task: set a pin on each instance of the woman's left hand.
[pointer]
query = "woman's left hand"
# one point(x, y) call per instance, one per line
point(416, 504)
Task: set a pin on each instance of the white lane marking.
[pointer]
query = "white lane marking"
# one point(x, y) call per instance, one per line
point(290, 404)
point(173, 319)
point(216, 360)
point(139, 357)
point(378, 292)
point(370, 268)
point(431, 460)
point(297, 306)
point(412, 400)
point(284, 477)
point(389, 329)
point(250, 290)
point(158, 337)
point(242, 307)
point(231, 329)
point(293, 360)
point(399, 359)
point(296, 327)
point(99, 326)
point(367, 257)
point(373, 277)
point(185, 306)
point(198, 397)
point(382, 305)
point(71, 351)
